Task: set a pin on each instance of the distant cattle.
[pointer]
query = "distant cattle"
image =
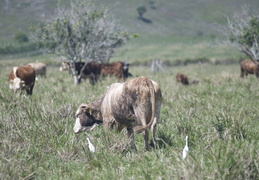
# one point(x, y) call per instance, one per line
point(185, 80)
point(39, 68)
point(93, 70)
point(21, 78)
point(247, 66)
point(66, 66)
point(134, 105)
point(182, 78)
point(113, 69)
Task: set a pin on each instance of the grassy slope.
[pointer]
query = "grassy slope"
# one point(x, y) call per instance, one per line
point(179, 29)
point(168, 17)
point(219, 116)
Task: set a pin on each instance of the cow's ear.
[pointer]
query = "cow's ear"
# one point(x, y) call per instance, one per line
point(84, 108)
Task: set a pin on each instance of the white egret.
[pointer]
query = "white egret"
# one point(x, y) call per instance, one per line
point(185, 149)
point(90, 145)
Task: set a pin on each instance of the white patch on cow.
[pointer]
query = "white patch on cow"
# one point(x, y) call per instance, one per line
point(14, 71)
point(15, 84)
point(77, 126)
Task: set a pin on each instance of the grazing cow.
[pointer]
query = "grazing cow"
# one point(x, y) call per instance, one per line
point(21, 78)
point(182, 78)
point(134, 104)
point(93, 70)
point(248, 66)
point(39, 68)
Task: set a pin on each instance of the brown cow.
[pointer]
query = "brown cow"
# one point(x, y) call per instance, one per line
point(39, 68)
point(21, 78)
point(113, 69)
point(182, 78)
point(247, 66)
point(134, 104)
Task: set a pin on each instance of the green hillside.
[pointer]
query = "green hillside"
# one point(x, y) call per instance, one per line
point(165, 23)
point(168, 17)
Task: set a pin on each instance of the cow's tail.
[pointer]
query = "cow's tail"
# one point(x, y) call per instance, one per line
point(153, 121)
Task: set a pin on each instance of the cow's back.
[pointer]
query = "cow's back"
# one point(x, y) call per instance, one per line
point(248, 64)
point(123, 102)
point(113, 69)
point(26, 73)
point(39, 68)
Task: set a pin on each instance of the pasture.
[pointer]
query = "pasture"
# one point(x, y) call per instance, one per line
point(220, 117)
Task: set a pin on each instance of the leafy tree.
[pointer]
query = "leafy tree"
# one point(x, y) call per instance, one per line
point(242, 32)
point(81, 33)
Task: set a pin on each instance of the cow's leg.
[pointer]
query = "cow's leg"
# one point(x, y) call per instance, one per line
point(145, 135)
point(29, 90)
point(242, 73)
point(153, 131)
point(131, 138)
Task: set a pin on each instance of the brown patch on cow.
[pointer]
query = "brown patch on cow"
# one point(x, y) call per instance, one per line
point(182, 78)
point(113, 69)
point(248, 66)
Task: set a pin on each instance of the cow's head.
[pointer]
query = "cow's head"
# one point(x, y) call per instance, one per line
point(85, 119)
point(16, 84)
point(64, 66)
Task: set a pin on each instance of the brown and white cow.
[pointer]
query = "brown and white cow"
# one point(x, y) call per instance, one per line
point(134, 104)
point(39, 68)
point(182, 78)
point(21, 78)
point(247, 66)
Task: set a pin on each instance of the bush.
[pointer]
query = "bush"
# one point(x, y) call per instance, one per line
point(21, 38)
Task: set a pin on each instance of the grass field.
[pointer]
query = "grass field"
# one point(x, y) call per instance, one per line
point(220, 117)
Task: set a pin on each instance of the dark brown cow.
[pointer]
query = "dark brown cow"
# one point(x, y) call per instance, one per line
point(134, 104)
point(247, 66)
point(21, 78)
point(182, 78)
point(90, 71)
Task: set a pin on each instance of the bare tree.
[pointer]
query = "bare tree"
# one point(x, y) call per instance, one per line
point(81, 33)
point(242, 32)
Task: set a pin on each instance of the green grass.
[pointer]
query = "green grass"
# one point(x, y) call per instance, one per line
point(219, 115)
point(143, 50)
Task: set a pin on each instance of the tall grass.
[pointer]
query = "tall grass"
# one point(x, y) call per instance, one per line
point(219, 115)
